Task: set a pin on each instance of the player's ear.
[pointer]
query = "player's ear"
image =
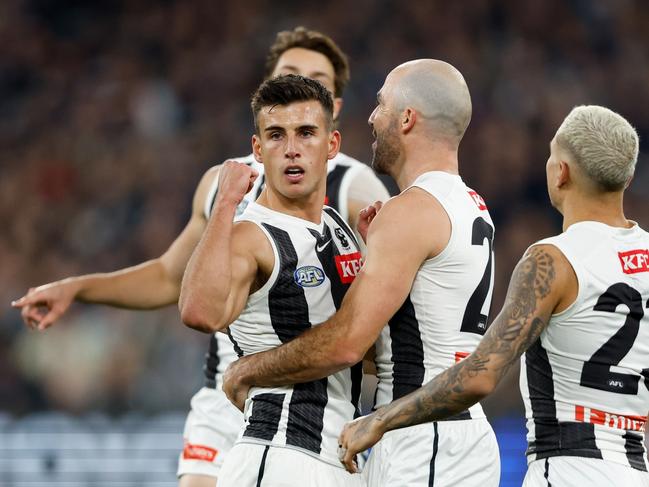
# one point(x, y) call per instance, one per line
point(408, 119)
point(256, 148)
point(563, 174)
point(334, 144)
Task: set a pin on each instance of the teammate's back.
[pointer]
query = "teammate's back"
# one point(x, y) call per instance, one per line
point(586, 382)
point(445, 314)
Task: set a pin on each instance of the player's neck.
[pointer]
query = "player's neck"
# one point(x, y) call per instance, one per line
point(420, 158)
point(607, 209)
point(308, 208)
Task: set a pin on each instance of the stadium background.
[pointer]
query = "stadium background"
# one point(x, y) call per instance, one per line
point(112, 110)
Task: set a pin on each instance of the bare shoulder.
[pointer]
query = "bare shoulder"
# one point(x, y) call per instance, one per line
point(553, 274)
point(416, 216)
point(416, 202)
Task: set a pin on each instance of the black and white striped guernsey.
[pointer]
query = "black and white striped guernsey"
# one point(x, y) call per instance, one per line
point(585, 382)
point(445, 315)
point(314, 266)
point(341, 171)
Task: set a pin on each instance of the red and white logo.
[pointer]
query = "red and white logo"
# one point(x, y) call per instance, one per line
point(199, 452)
point(612, 420)
point(634, 261)
point(459, 356)
point(478, 200)
point(348, 266)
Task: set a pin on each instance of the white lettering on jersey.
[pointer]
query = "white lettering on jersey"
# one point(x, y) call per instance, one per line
point(348, 266)
point(634, 261)
point(308, 276)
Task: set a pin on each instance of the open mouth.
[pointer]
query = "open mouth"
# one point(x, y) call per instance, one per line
point(294, 172)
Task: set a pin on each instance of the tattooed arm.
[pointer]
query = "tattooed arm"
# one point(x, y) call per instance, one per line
point(543, 283)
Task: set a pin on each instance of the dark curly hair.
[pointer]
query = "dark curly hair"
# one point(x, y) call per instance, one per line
point(314, 41)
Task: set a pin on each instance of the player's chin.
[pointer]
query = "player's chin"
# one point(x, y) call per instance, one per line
point(297, 190)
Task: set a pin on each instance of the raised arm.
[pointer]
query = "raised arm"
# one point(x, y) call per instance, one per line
point(149, 285)
point(376, 294)
point(542, 283)
point(224, 267)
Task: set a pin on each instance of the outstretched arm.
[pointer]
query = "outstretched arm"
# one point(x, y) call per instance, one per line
point(149, 285)
point(542, 283)
point(222, 270)
point(376, 294)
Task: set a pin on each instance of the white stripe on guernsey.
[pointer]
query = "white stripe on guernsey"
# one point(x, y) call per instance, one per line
point(280, 436)
point(612, 456)
point(385, 373)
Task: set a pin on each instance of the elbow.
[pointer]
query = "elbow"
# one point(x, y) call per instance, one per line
point(196, 318)
point(347, 356)
point(482, 386)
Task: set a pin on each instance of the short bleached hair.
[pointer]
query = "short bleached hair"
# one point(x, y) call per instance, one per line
point(602, 143)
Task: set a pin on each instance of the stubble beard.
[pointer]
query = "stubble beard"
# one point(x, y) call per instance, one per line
point(387, 150)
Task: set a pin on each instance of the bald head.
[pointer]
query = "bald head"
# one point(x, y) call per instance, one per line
point(437, 91)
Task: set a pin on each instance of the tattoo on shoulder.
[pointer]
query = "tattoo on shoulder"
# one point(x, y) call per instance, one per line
point(519, 326)
point(531, 282)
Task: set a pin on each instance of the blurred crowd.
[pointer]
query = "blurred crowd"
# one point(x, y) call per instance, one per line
point(112, 110)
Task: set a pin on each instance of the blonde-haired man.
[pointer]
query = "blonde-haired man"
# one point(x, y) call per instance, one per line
point(577, 308)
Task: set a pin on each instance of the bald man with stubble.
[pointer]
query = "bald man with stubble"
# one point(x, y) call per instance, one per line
point(423, 295)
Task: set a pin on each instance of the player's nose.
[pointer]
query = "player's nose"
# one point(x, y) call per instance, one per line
point(291, 151)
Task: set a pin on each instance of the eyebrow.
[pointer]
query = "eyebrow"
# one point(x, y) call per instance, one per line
point(282, 129)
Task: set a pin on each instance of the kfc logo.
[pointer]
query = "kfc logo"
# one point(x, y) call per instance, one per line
point(634, 261)
point(348, 266)
point(478, 200)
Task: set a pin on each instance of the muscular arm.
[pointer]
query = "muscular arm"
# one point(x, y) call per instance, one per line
point(222, 270)
point(542, 283)
point(149, 285)
point(376, 294)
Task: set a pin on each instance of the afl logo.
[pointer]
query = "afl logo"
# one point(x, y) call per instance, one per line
point(308, 276)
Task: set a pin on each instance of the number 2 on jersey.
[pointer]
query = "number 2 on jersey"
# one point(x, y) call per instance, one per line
point(597, 373)
point(474, 321)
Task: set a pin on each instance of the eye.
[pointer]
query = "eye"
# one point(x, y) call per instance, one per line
point(275, 135)
point(307, 132)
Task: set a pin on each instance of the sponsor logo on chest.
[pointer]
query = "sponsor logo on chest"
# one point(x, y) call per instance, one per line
point(478, 200)
point(308, 276)
point(634, 261)
point(348, 266)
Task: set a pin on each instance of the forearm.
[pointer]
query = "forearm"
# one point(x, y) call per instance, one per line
point(528, 307)
point(207, 280)
point(446, 395)
point(145, 286)
point(313, 355)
